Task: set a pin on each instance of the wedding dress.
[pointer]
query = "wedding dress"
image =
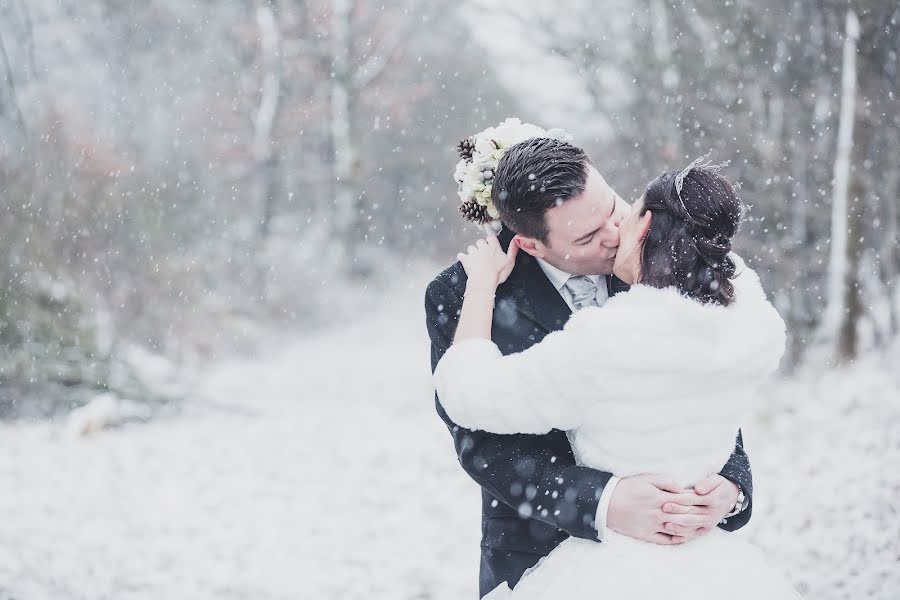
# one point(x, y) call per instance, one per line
point(652, 382)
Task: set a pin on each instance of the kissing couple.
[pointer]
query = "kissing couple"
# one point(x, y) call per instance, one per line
point(593, 361)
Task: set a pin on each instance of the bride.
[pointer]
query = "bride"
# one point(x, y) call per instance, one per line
point(657, 381)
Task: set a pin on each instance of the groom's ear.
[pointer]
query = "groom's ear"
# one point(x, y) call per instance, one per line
point(530, 245)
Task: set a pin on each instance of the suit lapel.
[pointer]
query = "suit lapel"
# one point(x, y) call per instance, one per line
point(615, 285)
point(530, 293)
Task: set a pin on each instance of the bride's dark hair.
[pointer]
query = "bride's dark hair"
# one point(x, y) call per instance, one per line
point(690, 237)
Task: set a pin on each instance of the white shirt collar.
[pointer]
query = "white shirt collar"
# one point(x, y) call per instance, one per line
point(558, 277)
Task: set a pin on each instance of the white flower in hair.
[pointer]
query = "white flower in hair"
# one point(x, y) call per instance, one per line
point(481, 153)
point(460, 174)
point(559, 134)
point(484, 146)
point(512, 131)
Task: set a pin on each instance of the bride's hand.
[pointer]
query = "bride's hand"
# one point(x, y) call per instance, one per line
point(486, 264)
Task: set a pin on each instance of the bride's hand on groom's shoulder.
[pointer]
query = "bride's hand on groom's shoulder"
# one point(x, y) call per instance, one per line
point(486, 264)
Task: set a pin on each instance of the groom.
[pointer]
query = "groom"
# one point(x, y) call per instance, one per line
point(534, 495)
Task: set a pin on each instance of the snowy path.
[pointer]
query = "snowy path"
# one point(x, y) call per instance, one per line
point(320, 472)
point(323, 472)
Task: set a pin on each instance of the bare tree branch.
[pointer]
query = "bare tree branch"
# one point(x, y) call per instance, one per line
point(19, 118)
point(376, 63)
point(28, 30)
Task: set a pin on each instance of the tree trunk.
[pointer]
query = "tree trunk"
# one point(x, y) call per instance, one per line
point(798, 316)
point(846, 347)
point(837, 313)
point(890, 245)
point(264, 157)
point(671, 79)
point(345, 159)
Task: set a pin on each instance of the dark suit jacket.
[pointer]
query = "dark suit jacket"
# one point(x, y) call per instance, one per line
point(533, 494)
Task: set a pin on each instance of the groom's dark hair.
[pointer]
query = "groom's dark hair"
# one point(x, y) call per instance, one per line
point(534, 176)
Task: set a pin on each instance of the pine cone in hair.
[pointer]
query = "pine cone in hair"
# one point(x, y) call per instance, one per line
point(472, 211)
point(466, 147)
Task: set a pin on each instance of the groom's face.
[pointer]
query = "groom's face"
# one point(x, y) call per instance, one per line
point(584, 231)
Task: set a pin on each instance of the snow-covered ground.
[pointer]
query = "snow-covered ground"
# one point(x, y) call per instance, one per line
point(321, 471)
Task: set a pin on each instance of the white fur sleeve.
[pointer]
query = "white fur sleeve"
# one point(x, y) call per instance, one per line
point(641, 344)
point(554, 383)
point(527, 392)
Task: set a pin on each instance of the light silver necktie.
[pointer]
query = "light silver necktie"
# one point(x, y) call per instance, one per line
point(583, 290)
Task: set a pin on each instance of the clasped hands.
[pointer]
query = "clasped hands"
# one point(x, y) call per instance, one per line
point(655, 509)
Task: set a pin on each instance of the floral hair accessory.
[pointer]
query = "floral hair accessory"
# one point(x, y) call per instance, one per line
point(479, 156)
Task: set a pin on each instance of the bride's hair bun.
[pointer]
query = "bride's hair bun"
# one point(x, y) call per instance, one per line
point(719, 269)
point(714, 252)
point(690, 238)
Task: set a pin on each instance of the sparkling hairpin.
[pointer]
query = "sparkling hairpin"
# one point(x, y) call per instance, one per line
point(699, 163)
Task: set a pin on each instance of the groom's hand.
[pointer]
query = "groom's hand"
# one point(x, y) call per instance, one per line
point(709, 502)
point(711, 498)
point(636, 510)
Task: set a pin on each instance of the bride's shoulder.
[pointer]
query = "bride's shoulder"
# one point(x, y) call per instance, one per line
point(641, 297)
point(746, 282)
point(629, 307)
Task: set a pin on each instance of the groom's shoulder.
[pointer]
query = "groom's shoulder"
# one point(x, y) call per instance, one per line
point(452, 278)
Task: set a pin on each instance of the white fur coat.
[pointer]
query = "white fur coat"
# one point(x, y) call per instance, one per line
point(652, 382)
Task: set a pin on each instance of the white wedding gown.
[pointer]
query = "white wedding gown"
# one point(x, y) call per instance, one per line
point(651, 383)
